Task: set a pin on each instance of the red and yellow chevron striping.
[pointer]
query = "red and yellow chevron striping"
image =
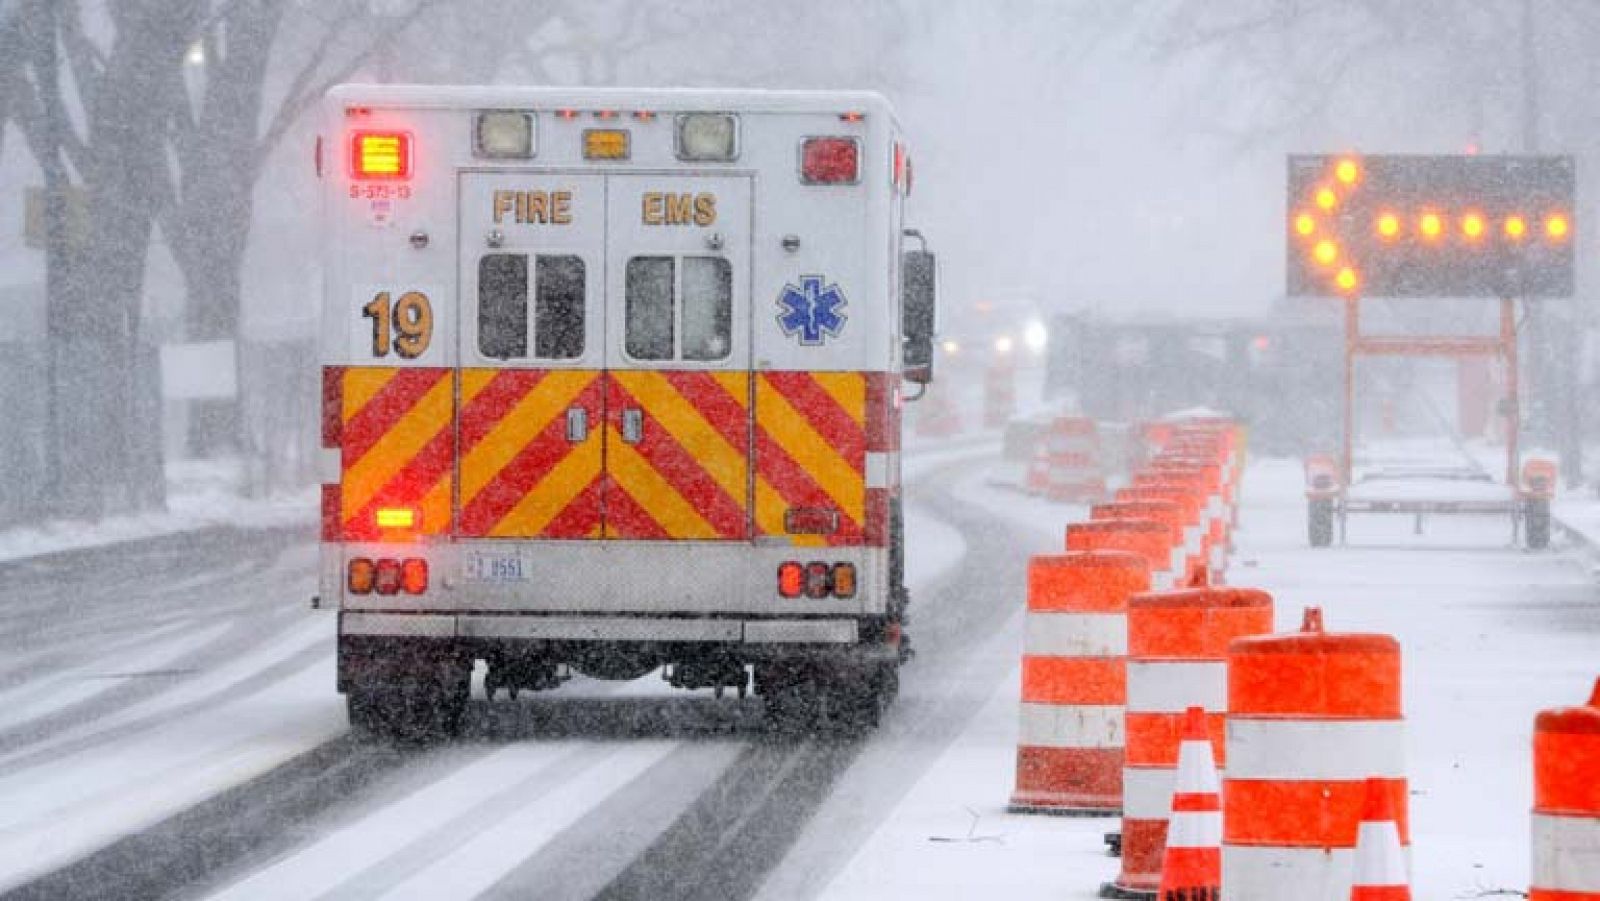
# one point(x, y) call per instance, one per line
point(544, 454)
point(811, 451)
point(398, 448)
point(522, 474)
point(686, 476)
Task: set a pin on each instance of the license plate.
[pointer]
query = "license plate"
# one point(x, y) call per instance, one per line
point(500, 568)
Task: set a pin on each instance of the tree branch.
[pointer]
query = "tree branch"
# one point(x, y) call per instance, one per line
point(306, 87)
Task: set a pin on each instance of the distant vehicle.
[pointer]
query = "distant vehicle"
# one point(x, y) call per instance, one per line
point(612, 382)
point(1279, 374)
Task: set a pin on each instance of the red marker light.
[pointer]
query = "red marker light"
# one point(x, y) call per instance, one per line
point(791, 579)
point(830, 161)
point(380, 154)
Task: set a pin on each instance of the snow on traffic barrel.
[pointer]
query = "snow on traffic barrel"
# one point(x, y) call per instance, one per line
point(1075, 642)
point(1149, 539)
point(1311, 716)
point(1177, 658)
point(1566, 803)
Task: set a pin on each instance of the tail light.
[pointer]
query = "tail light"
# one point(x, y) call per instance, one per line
point(817, 581)
point(791, 579)
point(414, 575)
point(844, 580)
point(380, 154)
point(388, 580)
point(830, 161)
point(360, 576)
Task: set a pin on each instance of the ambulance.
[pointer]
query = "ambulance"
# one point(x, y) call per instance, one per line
point(612, 384)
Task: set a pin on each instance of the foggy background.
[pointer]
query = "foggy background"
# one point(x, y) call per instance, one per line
point(1123, 158)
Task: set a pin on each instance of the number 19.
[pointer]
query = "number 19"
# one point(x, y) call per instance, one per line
point(411, 321)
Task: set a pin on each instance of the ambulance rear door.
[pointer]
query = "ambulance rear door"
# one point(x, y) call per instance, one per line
point(678, 392)
point(531, 403)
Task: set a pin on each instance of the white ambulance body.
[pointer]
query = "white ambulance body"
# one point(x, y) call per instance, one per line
point(612, 381)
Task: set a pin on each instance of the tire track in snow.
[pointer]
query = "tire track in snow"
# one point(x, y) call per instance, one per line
point(248, 821)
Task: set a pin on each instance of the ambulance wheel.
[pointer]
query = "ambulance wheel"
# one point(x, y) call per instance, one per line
point(1319, 522)
point(791, 703)
point(1536, 522)
point(414, 707)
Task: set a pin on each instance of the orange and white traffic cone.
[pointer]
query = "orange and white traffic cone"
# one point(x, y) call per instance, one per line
point(1192, 867)
point(1380, 864)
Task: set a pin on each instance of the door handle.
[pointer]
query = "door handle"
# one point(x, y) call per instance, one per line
point(632, 426)
point(577, 424)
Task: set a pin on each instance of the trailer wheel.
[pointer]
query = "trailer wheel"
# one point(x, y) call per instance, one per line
point(1536, 520)
point(1319, 522)
point(423, 706)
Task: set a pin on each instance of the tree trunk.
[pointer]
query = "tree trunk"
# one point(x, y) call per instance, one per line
point(221, 160)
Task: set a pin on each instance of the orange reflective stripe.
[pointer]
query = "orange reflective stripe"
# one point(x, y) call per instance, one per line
point(1295, 814)
point(1354, 681)
point(1153, 738)
point(1566, 778)
point(1098, 582)
point(1196, 624)
point(1074, 680)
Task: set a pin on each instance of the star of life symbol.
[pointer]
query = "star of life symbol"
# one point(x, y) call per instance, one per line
point(811, 310)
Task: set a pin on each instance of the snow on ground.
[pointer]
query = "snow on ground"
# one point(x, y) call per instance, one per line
point(201, 493)
point(1490, 635)
point(94, 784)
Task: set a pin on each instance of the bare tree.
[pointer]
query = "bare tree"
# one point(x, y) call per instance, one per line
point(259, 65)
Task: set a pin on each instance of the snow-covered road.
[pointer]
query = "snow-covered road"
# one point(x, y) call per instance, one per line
point(201, 751)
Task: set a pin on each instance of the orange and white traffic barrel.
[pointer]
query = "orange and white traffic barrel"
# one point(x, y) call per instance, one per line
point(1149, 539)
point(1566, 803)
point(1074, 688)
point(1205, 479)
point(1072, 446)
point(1194, 530)
point(1165, 512)
point(1380, 867)
point(1037, 479)
point(1177, 659)
point(1311, 715)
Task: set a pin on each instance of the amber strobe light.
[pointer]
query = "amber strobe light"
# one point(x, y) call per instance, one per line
point(380, 154)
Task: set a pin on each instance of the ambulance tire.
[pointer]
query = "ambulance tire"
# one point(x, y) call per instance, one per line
point(1319, 525)
point(818, 701)
point(411, 707)
point(1536, 523)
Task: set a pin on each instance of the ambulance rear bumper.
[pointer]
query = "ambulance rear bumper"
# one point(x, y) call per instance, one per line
point(753, 632)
